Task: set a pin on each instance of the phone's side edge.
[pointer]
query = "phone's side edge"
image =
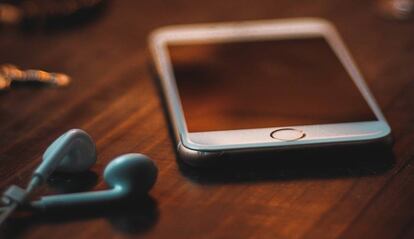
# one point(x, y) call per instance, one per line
point(191, 157)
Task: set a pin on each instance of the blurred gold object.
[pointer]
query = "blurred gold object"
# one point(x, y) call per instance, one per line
point(397, 9)
point(10, 14)
point(10, 73)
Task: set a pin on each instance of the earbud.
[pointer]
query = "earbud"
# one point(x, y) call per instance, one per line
point(127, 176)
point(72, 152)
point(133, 174)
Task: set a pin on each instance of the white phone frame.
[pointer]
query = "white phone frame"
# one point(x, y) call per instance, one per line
point(297, 28)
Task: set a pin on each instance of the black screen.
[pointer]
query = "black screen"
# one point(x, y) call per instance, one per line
point(272, 83)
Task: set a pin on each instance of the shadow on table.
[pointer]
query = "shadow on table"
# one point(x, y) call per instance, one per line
point(323, 163)
point(57, 16)
point(72, 183)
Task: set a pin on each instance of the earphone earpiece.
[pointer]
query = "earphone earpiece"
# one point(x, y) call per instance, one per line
point(134, 174)
point(81, 154)
point(127, 176)
point(72, 152)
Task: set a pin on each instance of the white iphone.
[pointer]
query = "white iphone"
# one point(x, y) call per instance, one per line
point(262, 86)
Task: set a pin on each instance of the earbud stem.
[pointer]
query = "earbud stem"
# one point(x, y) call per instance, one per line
point(34, 183)
point(78, 199)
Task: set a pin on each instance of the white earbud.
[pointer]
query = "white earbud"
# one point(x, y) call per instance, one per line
point(72, 152)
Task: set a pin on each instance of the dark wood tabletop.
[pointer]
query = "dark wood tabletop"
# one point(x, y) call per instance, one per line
point(114, 98)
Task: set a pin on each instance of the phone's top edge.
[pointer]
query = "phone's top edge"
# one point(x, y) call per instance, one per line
point(313, 20)
point(165, 33)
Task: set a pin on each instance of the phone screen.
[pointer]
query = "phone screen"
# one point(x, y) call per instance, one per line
point(260, 84)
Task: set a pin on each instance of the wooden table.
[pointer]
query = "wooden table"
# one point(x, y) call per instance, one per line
point(114, 98)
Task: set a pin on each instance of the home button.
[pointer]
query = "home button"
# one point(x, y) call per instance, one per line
point(287, 134)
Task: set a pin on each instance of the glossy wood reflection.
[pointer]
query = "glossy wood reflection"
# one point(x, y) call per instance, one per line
point(114, 98)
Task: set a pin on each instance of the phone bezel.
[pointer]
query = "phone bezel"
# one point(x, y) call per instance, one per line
point(260, 137)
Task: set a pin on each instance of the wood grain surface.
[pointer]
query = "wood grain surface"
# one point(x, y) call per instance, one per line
point(114, 98)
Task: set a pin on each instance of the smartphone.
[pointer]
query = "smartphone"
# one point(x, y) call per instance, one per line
point(262, 86)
